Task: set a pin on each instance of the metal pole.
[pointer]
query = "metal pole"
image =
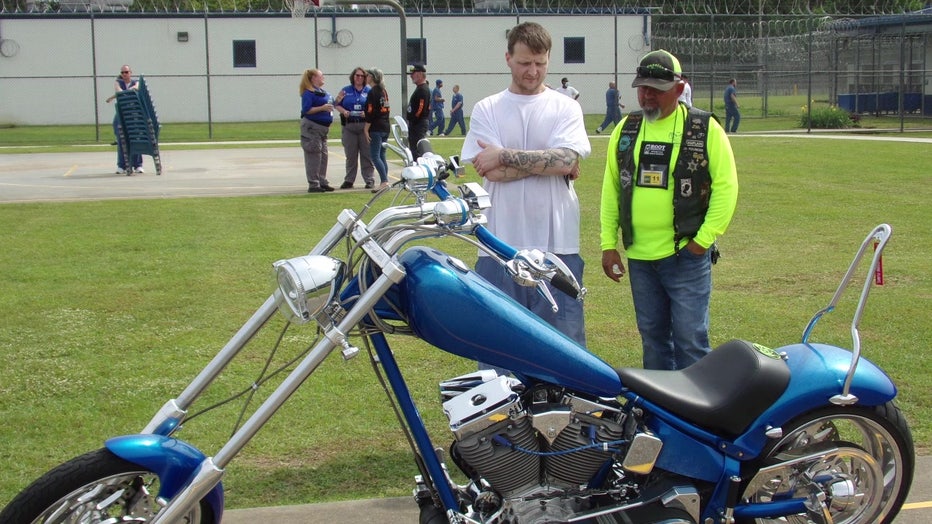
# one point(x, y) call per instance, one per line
point(404, 36)
point(94, 78)
point(712, 61)
point(809, 83)
point(615, 58)
point(903, 65)
point(210, 120)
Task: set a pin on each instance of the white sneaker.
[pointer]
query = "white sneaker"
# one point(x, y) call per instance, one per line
point(441, 134)
point(139, 170)
point(120, 171)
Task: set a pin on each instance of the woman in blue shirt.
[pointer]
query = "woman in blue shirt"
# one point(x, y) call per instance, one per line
point(316, 117)
point(351, 103)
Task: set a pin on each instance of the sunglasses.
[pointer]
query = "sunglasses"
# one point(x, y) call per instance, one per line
point(359, 75)
point(656, 71)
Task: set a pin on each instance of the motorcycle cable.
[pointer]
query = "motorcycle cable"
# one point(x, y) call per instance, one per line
point(260, 381)
point(418, 460)
point(364, 265)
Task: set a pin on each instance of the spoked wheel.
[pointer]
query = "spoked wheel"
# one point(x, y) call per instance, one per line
point(857, 461)
point(97, 487)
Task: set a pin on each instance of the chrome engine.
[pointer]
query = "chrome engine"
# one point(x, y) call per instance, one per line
point(532, 454)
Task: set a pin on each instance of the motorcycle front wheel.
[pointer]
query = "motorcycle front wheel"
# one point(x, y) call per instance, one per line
point(95, 487)
point(860, 459)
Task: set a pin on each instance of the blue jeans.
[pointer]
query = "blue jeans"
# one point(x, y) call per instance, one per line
point(377, 153)
point(671, 302)
point(732, 119)
point(569, 319)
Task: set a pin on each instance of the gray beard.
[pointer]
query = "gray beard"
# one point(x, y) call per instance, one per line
point(652, 115)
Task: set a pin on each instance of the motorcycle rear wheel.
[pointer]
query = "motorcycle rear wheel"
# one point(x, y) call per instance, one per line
point(94, 487)
point(880, 432)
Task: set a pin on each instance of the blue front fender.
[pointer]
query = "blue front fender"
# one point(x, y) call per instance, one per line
point(172, 460)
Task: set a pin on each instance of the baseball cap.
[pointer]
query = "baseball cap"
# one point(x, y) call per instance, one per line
point(439, 81)
point(658, 69)
point(564, 80)
point(417, 68)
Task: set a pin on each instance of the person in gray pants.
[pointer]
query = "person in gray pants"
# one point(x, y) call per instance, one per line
point(351, 104)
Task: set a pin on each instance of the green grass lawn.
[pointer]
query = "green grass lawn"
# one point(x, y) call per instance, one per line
point(783, 113)
point(109, 308)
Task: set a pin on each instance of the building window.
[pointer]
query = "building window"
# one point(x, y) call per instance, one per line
point(244, 53)
point(574, 50)
point(417, 51)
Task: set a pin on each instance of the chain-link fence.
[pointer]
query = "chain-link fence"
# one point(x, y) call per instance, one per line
point(867, 57)
point(658, 7)
point(866, 64)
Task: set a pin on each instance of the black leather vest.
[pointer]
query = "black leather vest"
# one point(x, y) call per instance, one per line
point(691, 178)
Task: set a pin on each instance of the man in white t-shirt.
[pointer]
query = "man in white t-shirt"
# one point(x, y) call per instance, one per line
point(566, 89)
point(526, 142)
point(686, 96)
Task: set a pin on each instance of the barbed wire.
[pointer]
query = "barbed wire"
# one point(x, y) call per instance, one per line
point(656, 7)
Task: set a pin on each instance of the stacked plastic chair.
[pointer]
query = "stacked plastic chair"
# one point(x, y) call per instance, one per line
point(138, 125)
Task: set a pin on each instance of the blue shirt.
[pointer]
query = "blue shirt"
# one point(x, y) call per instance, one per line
point(124, 85)
point(434, 95)
point(355, 102)
point(316, 98)
point(611, 98)
point(730, 90)
point(457, 99)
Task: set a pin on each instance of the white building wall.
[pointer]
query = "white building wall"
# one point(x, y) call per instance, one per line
point(59, 62)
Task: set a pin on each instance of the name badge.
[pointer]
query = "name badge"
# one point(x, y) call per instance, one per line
point(654, 165)
point(653, 176)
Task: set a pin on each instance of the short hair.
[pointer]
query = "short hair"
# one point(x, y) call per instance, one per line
point(530, 34)
point(361, 69)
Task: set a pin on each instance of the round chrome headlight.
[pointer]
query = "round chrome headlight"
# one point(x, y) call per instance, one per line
point(307, 285)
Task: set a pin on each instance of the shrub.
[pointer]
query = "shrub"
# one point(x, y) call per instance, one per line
point(825, 118)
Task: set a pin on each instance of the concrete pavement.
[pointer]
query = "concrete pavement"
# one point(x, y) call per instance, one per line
point(190, 173)
point(44, 177)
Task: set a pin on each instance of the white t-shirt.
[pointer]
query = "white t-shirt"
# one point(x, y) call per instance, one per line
point(536, 212)
point(569, 91)
point(687, 95)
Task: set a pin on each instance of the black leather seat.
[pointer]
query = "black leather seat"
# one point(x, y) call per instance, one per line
point(723, 392)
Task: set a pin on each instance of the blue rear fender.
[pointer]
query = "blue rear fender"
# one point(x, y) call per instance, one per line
point(173, 460)
point(817, 373)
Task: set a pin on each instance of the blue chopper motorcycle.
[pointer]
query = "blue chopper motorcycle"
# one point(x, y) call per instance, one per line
point(805, 433)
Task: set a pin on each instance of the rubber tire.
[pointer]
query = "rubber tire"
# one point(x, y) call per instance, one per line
point(887, 416)
point(66, 479)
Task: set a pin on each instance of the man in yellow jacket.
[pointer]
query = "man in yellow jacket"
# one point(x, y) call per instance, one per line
point(671, 188)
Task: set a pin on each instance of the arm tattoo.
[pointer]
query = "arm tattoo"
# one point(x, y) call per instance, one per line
point(545, 161)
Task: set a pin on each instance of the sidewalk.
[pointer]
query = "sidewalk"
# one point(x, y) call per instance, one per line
point(48, 177)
